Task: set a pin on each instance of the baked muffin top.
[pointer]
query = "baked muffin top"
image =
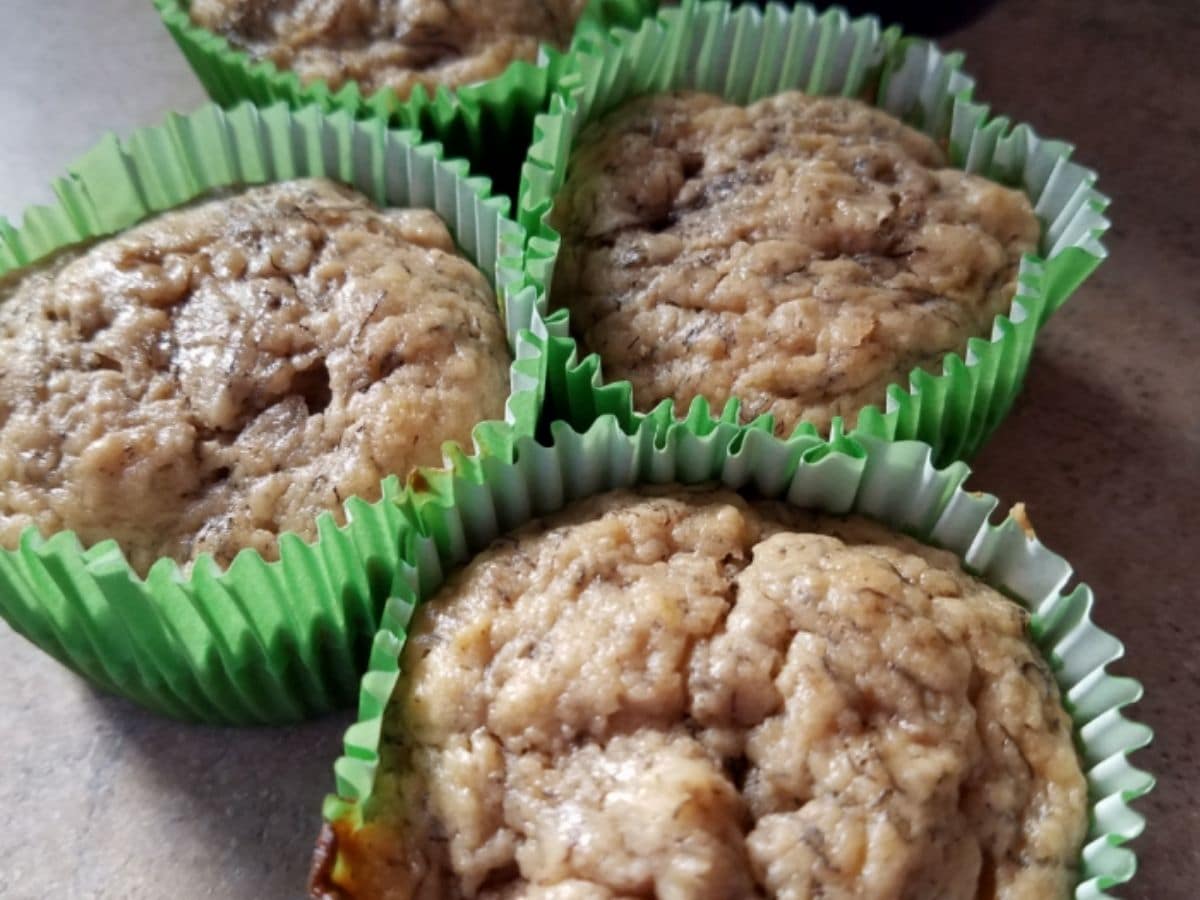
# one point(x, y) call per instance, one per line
point(396, 44)
point(226, 372)
point(675, 693)
point(801, 253)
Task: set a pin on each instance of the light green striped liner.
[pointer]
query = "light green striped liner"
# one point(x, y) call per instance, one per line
point(488, 123)
point(745, 54)
point(260, 642)
point(896, 483)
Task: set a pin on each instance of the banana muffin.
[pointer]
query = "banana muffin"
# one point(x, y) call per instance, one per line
point(679, 694)
point(396, 44)
point(800, 254)
point(227, 371)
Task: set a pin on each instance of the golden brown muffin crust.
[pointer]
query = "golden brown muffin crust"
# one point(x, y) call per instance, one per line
point(226, 372)
point(800, 254)
point(678, 694)
point(391, 43)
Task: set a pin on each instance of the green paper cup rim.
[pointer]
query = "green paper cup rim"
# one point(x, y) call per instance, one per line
point(896, 483)
point(259, 641)
point(746, 53)
point(230, 73)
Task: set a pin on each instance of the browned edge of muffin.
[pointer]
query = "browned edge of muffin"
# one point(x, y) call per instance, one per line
point(320, 875)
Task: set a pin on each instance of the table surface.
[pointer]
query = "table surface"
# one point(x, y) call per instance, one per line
point(104, 800)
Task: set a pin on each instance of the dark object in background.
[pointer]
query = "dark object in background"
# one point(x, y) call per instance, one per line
point(929, 18)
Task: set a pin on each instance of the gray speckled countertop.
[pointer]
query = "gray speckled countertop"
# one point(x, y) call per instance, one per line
point(103, 800)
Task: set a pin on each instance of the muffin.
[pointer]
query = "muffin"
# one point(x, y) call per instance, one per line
point(799, 254)
point(390, 43)
point(677, 693)
point(226, 372)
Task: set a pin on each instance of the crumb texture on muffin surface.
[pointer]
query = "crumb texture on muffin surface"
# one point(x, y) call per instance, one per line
point(677, 694)
point(396, 44)
point(801, 253)
point(227, 371)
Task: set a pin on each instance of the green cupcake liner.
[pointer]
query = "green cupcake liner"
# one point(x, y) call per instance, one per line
point(488, 123)
point(745, 54)
point(896, 483)
point(260, 642)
